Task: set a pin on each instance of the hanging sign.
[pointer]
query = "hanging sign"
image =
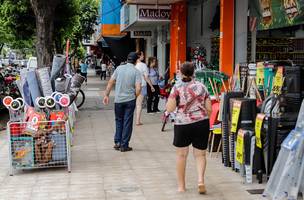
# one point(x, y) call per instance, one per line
point(278, 82)
point(141, 34)
point(260, 74)
point(280, 13)
point(236, 110)
point(152, 13)
point(258, 128)
point(240, 147)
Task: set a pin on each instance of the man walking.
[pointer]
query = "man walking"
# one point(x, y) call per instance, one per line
point(127, 80)
point(142, 67)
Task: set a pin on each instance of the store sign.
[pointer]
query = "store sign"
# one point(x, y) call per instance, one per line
point(141, 34)
point(154, 14)
point(280, 13)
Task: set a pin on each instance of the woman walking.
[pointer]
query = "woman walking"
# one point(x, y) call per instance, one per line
point(153, 97)
point(191, 99)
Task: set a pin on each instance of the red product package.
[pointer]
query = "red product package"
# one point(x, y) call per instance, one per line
point(36, 120)
point(57, 116)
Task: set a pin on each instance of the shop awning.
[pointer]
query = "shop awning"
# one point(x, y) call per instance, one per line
point(152, 2)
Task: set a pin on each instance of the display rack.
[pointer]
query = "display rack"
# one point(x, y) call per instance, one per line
point(40, 144)
point(278, 49)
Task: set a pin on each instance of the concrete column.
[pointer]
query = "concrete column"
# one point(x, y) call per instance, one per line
point(178, 38)
point(241, 30)
point(149, 50)
point(161, 50)
point(227, 37)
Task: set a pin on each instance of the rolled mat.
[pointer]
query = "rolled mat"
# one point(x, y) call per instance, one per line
point(68, 80)
point(57, 67)
point(43, 75)
point(60, 85)
point(77, 81)
point(33, 85)
point(27, 95)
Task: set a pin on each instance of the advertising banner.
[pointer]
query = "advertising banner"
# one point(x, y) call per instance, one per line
point(110, 18)
point(280, 13)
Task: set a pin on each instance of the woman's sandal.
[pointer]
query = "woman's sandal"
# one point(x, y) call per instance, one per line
point(202, 189)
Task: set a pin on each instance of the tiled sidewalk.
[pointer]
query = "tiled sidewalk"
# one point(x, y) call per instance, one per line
point(99, 172)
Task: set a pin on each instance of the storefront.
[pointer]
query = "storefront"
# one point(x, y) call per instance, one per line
point(202, 35)
point(149, 25)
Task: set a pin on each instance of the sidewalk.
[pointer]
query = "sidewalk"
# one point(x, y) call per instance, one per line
point(99, 172)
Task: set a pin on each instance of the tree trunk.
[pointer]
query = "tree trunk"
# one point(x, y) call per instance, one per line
point(58, 46)
point(44, 12)
point(1, 47)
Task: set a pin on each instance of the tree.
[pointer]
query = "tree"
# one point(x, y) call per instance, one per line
point(17, 24)
point(48, 23)
point(45, 14)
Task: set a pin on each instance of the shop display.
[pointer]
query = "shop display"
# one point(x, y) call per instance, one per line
point(287, 178)
point(257, 113)
point(199, 57)
point(212, 79)
point(280, 49)
point(41, 122)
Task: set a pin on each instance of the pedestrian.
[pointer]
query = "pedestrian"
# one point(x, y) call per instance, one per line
point(142, 67)
point(191, 100)
point(103, 71)
point(98, 67)
point(84, 70)
point(153, 97)
point(127, 80)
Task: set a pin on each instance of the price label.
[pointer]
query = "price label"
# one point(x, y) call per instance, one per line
point(258, 127)
point(278, 81)
point(260, 74)
point(240, 147)
point(235, 115)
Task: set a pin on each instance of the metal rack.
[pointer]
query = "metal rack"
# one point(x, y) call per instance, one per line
point(40, 144)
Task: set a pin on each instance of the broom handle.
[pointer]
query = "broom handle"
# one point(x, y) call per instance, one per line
point(212, 88)
point(225, 88)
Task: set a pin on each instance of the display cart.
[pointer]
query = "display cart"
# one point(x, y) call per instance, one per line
point(39, 144)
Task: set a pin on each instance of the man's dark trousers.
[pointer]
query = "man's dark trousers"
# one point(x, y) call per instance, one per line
point(124, 122)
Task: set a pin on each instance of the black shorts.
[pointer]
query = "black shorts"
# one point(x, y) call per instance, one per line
point(196, 134)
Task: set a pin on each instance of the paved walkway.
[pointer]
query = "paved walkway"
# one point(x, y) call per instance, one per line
point(99, 172)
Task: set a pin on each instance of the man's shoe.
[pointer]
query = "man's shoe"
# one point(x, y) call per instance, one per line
point(125, 149)
point(116, 147)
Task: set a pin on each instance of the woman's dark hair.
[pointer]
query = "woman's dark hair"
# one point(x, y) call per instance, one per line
point(187, 69)
point(150, 61)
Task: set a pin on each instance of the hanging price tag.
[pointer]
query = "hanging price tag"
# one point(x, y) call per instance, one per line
point(260, 74)
point(278, 81)
point(240, 147)
point(258, 127)
point(235, 115)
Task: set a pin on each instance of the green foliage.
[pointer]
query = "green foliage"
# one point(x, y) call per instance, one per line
point(80, 53)
point(74, 19)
